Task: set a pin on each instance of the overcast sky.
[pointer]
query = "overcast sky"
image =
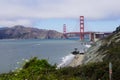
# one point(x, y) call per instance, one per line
point(100, 15)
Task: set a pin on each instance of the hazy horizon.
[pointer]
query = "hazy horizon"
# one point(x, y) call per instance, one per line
point(102, 15)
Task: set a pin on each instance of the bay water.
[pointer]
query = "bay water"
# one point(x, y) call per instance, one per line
point(13, 52)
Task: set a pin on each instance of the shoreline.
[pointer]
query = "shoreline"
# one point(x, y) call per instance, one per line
point(76, 61)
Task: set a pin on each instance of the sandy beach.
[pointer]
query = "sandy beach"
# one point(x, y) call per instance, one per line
point(77, 60)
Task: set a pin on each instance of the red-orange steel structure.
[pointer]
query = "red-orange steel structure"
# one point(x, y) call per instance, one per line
point(64, 28)
point(92, 35)
point(81, 27)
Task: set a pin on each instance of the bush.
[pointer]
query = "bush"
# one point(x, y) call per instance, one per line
point(37, 69)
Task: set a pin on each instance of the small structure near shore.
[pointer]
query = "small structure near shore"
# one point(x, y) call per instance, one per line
point(75, 52)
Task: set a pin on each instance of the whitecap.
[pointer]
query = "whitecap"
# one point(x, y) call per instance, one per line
point(88, 46)
point(66, 60)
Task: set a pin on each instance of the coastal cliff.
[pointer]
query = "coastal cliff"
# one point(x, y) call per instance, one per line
point(106, 49)
point(21, 32)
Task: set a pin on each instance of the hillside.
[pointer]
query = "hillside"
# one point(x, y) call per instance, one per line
point(107, 49)
point(21, 32)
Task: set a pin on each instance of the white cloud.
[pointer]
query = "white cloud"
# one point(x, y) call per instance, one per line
point(10, 23)
point(31, 9)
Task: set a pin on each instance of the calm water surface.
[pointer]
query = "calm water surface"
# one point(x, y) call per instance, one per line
point(13, 51)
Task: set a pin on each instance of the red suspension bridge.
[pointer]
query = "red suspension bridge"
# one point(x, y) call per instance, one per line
point(91, 36)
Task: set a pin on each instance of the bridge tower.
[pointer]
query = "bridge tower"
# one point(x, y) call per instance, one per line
point(64, 30)
point(81, 27)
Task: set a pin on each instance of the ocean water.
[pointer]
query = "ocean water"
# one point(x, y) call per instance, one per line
point(13, 52)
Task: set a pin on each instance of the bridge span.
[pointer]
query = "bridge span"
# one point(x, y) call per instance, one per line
point(91, 36)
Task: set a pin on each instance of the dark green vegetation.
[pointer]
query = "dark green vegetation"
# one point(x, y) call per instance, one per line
point(37, 69)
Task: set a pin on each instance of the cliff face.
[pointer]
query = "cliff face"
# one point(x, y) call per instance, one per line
point(104, 50)
point(21, 32)
point(107, 49)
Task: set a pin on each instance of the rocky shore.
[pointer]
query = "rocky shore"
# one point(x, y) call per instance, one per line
point(78, 58)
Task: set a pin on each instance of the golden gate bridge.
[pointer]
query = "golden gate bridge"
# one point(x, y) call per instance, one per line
point(91, 36)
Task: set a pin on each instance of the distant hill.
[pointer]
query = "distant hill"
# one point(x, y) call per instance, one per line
point(21, 32)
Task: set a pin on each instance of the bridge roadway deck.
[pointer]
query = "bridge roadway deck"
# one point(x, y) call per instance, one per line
point(89, 32)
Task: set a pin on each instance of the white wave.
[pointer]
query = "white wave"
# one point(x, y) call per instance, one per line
point(66, 60)
point(88, 46)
